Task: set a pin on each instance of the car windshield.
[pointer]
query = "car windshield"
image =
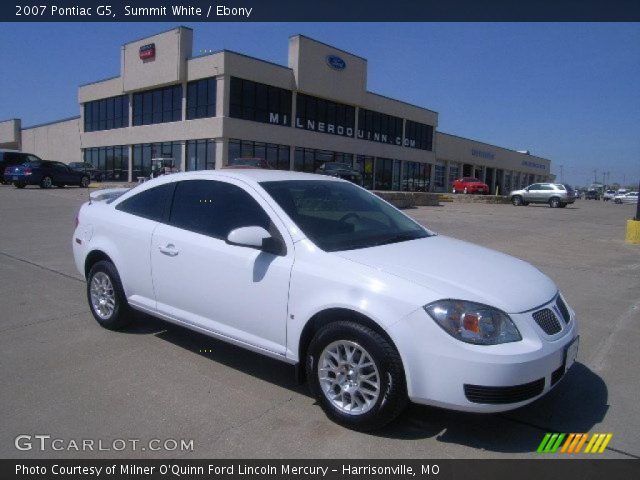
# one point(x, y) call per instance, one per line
point(245, 162)
point(470, 179)
point(340, 216)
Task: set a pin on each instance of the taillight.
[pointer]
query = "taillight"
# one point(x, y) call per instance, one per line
point(27, 171)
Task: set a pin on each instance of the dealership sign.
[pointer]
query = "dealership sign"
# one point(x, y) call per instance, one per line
point(336, 62)
point(148, 52)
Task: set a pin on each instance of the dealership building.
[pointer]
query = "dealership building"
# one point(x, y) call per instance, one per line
point(202, 111)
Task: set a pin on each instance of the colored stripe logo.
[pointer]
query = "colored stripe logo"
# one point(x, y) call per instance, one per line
point(574, 443)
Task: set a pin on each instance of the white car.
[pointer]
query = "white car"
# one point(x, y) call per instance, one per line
point(631, 197)
point(608, 195)
point(318, 272)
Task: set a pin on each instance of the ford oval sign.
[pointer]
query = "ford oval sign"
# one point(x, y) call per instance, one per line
point(336, 62)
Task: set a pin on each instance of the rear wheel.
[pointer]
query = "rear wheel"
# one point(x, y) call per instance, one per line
point(554, 202)
point(19, 185)
point(106, 296)
point(517, 200)
point(46, 182)
point(85, 181)
point(356, 376)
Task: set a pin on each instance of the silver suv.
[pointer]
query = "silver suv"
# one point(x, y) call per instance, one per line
point(555, 194)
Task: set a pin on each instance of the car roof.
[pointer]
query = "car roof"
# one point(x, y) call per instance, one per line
point(256, 175)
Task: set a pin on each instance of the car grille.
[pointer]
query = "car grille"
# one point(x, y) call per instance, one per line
point(547, 321)
point(564, 311)
point(512, 394)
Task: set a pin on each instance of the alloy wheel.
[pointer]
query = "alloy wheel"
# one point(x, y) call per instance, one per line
point(103, 299)
point(349, 377)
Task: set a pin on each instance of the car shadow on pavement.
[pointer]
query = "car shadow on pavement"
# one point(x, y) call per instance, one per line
point(577, 404)
point(245, 361)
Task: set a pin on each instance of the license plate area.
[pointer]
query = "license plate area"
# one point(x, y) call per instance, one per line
point(571, 353)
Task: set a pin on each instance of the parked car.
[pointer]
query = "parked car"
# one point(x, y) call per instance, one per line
point(322, 274)
point(10, 158)
point(248, 163)
point(630, 197)
point(46, 173)
point(555, 194)
point(592, 195)
point(608, 195)
point(89, 169)
point(578, 194)
point(341, 170)
point(469, 185)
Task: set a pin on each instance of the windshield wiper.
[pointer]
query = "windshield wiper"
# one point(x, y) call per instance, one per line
point(402, 237)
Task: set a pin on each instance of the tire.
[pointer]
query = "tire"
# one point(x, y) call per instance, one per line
point(517, 200)
point(465, 190)
point(46, 182)
point(554, 202)
point(454, 191)
point(103, 281)
point(563, 205)
point(19, 185)
point(391, 397)
point(84, 182)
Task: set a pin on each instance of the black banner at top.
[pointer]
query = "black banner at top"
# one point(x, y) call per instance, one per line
point(318, 11)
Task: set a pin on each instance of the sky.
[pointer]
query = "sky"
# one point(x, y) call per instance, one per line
point(567, 92)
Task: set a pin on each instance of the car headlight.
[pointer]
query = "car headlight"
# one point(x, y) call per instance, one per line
point(473, 322)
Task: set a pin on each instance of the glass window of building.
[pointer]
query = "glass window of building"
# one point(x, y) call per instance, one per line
point(259, 102)
point(379, 127)
point(384, 174)
point(418, 135)
point(309, 160)
point(215, 208)
point(439, 176)
point(454, 173)
point(277, 156)
point(201, 155)
point(111, 163)
point(157, 106)
point(416, 177)
point(364, 164)
point(201, 98)
point(325, 116)
point(106, 114)
point(143, 154)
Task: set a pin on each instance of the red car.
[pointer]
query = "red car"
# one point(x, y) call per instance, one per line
point(470, 185)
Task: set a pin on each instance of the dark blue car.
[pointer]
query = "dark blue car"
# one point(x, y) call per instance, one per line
point(46, 174)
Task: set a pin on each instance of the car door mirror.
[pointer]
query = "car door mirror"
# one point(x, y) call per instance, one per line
point(258, 238)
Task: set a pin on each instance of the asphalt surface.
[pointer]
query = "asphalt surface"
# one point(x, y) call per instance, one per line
point(64, 376)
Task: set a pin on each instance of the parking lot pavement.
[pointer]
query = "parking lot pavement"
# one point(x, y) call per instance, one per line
point(62, 375)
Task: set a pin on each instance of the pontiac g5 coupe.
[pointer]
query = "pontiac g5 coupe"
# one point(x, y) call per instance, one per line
point(317, 272)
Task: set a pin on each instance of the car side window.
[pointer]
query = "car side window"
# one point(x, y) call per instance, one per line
point(545, 187)
point(152, 203)
point(535, 186)
point(61, 167)
point(31, 158)
point(214, 208)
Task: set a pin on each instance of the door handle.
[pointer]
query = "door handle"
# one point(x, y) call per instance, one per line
point(169, 249)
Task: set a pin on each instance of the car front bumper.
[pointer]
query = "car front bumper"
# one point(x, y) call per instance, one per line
point(445, 372)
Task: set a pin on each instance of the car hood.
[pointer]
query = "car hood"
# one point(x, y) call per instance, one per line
point(452, 268)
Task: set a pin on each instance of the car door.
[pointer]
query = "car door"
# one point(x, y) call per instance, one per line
point(237, 292)
point(532, 193)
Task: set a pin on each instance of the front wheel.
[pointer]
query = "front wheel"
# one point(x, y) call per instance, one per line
point(85, 181)
point(356, 375)
point(554, 202)
point(106, 296)
point(46, 182)
point(465, 190)
point(516, 200)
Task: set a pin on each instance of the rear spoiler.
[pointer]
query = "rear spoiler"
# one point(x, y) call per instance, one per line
point(107, 194)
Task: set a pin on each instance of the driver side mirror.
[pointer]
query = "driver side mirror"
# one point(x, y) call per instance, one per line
point(258, 238)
